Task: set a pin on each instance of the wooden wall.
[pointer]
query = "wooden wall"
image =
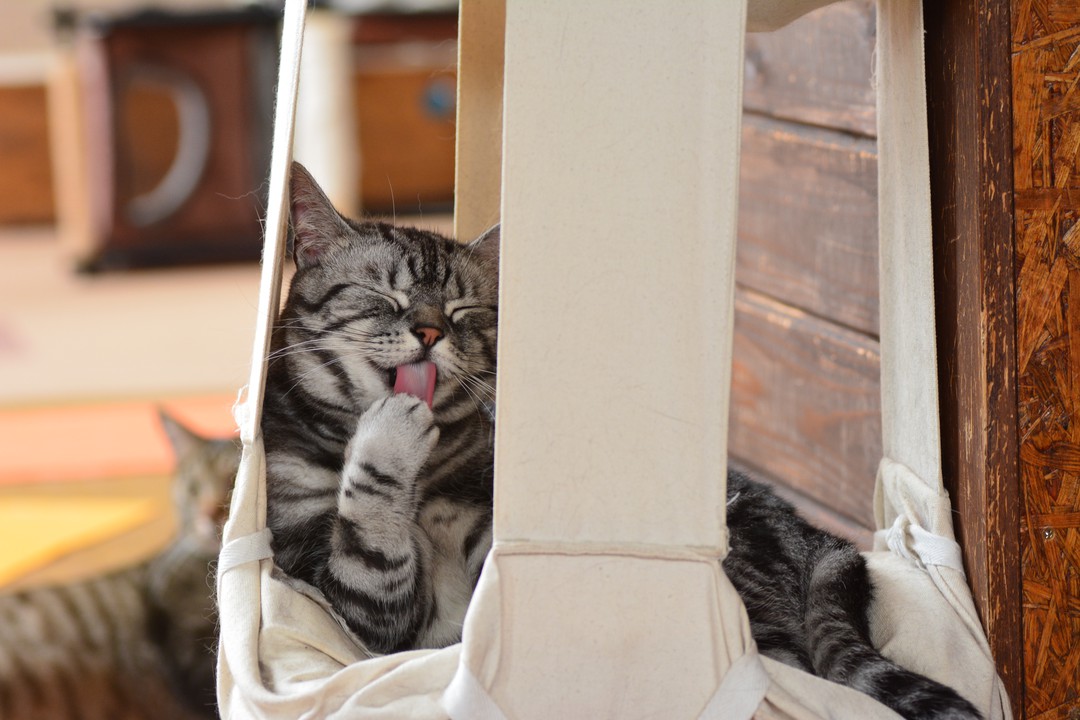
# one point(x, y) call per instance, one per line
point(805, 397)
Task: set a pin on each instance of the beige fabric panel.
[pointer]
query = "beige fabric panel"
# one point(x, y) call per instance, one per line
point(619, 204)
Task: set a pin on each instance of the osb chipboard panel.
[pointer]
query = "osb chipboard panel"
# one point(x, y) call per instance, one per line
point(1046, 132)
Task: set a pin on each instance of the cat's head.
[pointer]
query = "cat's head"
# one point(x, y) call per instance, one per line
point(369, 298)
point(202, 482)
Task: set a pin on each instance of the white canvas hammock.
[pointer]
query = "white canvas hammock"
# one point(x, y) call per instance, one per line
point(603, 596)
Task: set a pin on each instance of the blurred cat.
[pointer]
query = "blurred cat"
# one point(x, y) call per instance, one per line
point(137, 643)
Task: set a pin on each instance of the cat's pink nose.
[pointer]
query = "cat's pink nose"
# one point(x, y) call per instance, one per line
point(428, 335)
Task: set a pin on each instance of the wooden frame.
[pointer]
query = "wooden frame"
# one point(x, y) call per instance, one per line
point(971, 178)
point(1001, 77)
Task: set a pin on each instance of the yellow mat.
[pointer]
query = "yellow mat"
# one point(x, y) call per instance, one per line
point(72, 523)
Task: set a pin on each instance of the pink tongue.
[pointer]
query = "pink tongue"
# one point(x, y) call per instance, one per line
point(418, 380)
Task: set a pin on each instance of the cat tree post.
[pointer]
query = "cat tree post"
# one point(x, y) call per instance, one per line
point(618, 214)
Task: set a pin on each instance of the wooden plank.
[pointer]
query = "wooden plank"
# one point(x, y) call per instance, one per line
point(1046, 138)
point(805, 404)
point(968, 90)
point(26, 194)
point(808, 220)
point(816, 70)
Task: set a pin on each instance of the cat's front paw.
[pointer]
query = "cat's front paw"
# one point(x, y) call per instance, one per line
point(393, 440)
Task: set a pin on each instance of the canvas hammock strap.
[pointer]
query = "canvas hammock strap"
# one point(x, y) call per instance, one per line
point(245, 549)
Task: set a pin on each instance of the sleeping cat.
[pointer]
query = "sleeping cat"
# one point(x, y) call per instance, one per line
point(385, 504)
point(136, 644)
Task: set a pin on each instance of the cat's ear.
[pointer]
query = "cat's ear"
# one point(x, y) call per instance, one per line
point(317, 226)
point(486, 247)
point(183, 440)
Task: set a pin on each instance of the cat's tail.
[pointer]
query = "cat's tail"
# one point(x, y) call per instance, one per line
point(840, 648)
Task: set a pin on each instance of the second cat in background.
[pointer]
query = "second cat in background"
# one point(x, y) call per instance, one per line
point(139, 643)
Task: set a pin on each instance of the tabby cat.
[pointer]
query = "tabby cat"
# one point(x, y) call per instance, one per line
point(385, 504)
point(807, 594)
point(136, 644)
point(382, 500)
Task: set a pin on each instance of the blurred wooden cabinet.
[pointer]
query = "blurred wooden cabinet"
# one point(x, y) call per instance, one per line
point(164, 136)
point(405, 86)
point(164, 125)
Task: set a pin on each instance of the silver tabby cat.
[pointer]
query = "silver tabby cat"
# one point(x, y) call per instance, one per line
point(136, 644)
point(375, 498)
point(386, 506)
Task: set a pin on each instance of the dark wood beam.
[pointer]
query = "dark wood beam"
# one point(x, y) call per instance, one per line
point(970, 106)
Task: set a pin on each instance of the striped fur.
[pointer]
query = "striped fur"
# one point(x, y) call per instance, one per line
point(380, 502)
point(137, 644)
point(807, 594)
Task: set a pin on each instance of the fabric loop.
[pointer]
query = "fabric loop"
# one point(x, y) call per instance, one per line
point(738, 697)
point(912, 542)
point(242, 414)
point(249, 548)
point(741, 691)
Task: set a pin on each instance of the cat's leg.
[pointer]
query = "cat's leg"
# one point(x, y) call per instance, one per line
point(460, 538)
point(377, 576)
point(839, 641)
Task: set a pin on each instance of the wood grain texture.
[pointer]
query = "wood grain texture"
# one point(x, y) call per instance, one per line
point(805, 404)
point(405, 88)
point(26, 194)
point(971, 188)
point(808, 220)
point(1046, 137)
point(816, 70)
